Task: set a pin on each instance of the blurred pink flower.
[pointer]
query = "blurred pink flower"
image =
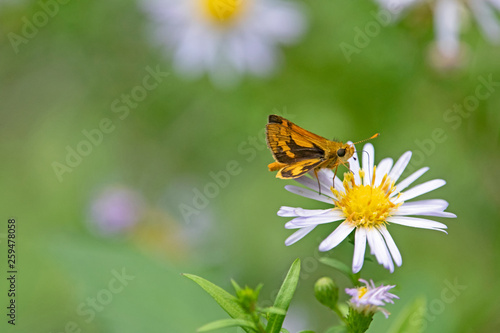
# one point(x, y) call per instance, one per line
point(115, 210)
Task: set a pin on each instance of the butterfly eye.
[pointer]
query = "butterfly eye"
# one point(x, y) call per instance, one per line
point(341, 152)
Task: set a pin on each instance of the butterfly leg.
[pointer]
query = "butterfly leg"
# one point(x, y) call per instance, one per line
point(317, 178)
point(334, 175)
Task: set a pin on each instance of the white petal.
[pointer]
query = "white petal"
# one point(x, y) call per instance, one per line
point(312, 183)
point(315, 220)
point(495, 3)
point(189, 56)
point(395, 7)
point(439, 214)
point(447, 27)
point(429, 186)
point(416, 222)
point(421, 207)
point(400, 166)
point(359, 249)
point(486, 18)
point(308, 194)
point(273, 13)
point(236, 52)
point(396, 255)
point(325, 177)
point(409, 180)
point(382, 169)
point(290, 225)
point(286, 211)
point(339, 186)
point(354, 166)
point(298, 235)
point(337, 236)
point(368, 162)
point(436, 204)
point(385, 312)
point(379, 249)
point(425, 211)
point(259, 56)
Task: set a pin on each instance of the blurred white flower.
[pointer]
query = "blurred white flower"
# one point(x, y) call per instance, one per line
point(369, 299)
point(115, 210)
point(225, 38)
point(368, 200)
point(450, 18)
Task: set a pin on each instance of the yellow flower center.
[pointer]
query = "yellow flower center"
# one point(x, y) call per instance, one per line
point(366, 206)
point(222, 11)
point(361, 292)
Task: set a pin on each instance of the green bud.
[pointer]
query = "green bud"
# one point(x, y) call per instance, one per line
point(327, 292)
point(247, 297)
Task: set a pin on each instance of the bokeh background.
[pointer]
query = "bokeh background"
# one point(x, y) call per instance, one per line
point(122, 207)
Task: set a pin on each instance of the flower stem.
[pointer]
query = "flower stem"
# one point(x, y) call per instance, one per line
point(257, 322)
point(339, 313)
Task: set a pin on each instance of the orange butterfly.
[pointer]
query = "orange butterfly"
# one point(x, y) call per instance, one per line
point(298, 151)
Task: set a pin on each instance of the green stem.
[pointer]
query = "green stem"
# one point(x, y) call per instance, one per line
point(355, 279)
point(339, 313)
point(257, 322)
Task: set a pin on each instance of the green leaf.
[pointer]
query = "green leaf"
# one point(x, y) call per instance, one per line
point(236, 286)
point(343, 268)
point(225, 323)
point(284, 330)
point(307, 332)
point(411, 319)
point(226, 301)
point(339, 265)
point(284, 298)
point(272, 309)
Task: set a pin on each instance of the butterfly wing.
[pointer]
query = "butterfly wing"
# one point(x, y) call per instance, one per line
point(297, 169)
point(290, 143)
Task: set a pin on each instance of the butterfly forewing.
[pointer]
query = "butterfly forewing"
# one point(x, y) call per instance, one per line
point(291, 143)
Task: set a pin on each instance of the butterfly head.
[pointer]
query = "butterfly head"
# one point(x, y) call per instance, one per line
point(345, 152)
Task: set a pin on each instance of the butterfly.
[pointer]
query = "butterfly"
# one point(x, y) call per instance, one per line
point(297, 151)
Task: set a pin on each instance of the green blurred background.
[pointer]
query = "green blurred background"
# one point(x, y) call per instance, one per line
point(63, 82)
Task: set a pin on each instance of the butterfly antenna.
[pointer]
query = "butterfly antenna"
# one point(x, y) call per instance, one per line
point(372, 137)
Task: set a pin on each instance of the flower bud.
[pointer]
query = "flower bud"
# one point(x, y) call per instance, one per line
point(326, 292)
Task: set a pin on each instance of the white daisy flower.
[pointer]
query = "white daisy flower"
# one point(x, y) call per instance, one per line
point(225, 38)
point(450, 17)
point(367, 201)
point(369, 299)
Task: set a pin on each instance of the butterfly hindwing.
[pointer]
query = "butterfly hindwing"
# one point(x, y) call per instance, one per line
point(298, 169)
